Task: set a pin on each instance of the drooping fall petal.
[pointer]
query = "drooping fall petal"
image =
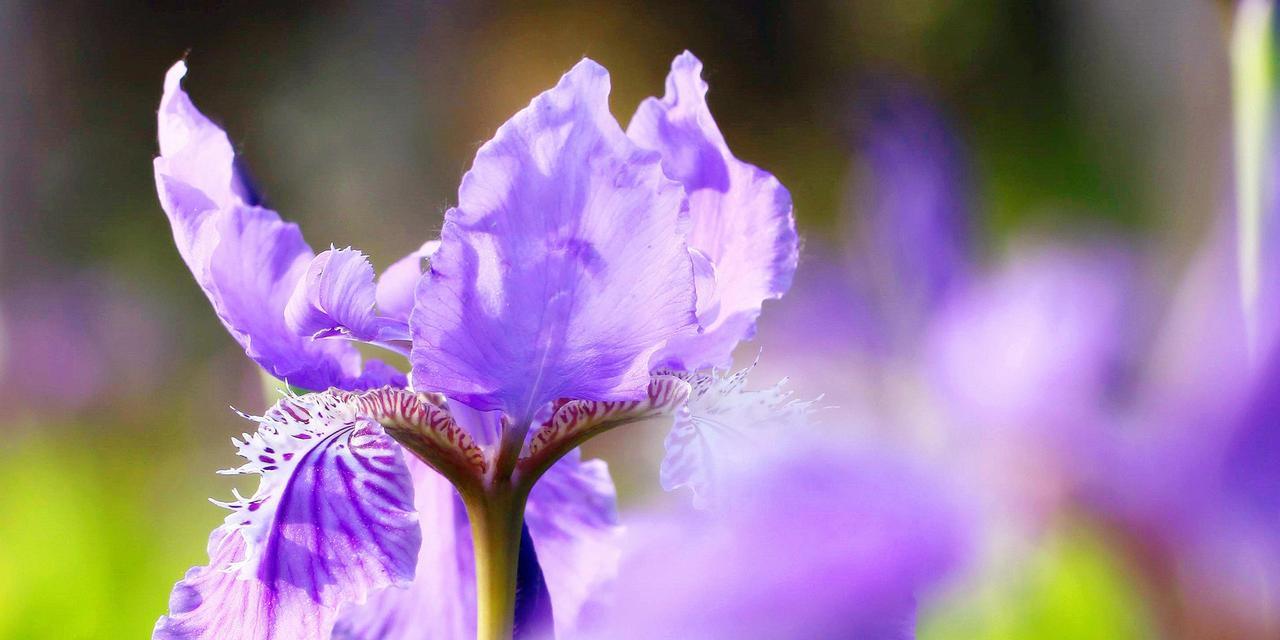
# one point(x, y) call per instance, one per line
point(331, 522)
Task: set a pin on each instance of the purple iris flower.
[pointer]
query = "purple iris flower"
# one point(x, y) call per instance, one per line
point(584, 278)
point(830, 542)
point(1005, 367)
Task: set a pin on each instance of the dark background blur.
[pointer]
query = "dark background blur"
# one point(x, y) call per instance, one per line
point(358, 120)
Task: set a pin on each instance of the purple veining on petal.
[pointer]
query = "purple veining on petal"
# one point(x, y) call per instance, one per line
point(742, 218)
point(246, 259)
point(440, 601)
point(331, 522)
point(572, 520)
point(484, 426)
point(562, 269)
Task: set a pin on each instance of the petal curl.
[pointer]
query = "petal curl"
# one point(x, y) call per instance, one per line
point(332, 521)
point(246, 259)
point(562, 269)
point(742, 217)
point(336, 297)
point(722, 424)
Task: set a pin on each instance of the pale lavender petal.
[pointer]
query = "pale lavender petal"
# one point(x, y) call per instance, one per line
point(562, 269)
point(196, 152)
point(1035, 344)
point(742, 219)
point(336, 298)
point(397, 283)
point(722, 424)
point(440, 602)
point(832, 544)
point(332, 521)
point(245, 258)
point(572, 517)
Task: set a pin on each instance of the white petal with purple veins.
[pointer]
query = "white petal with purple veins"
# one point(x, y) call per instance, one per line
point(332, 521)
point(723, 425)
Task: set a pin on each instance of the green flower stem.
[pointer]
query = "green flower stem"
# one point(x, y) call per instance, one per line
point(496, 516)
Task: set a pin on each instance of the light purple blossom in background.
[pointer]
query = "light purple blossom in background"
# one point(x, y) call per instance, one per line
point(1189, 469)
point(1002, 367)
point(909, 193)
point(80, 341)
point(827, 542)
point(584, 276)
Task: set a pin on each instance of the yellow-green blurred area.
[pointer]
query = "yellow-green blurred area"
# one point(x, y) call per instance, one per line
point(357, 120)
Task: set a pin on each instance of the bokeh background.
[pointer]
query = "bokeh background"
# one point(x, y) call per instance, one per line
point(1070, 119)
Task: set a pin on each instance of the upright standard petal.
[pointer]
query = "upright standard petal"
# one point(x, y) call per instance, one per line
point(563, 268)
point(331, 522)
point(246, 259)
point(742, 219)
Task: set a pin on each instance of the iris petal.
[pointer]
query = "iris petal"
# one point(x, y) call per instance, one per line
point(440, 602)
point(396, 284)
point(722, 424)
point(562, 269)
point(331, 522)
point(336, 297)
point(246, 259)
point(573, 519)
point(742, 217)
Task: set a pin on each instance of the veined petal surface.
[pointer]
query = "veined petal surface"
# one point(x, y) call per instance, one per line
point(440, 602)
point(742, 217)
point(562, 269)
point(332, 521)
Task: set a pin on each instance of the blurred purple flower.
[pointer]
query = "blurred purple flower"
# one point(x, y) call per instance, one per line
point(1188, 471)
point(909, 190)
point(78, 341)
point(830, 543)
point(583, 276)
point(1001, 366)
